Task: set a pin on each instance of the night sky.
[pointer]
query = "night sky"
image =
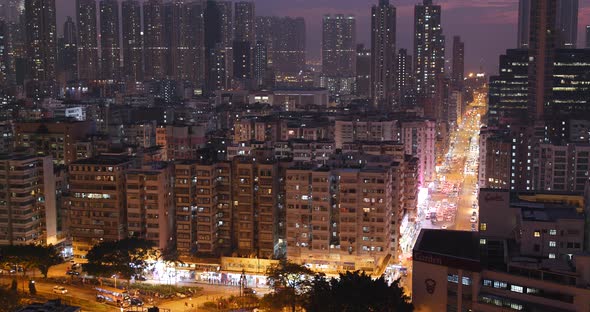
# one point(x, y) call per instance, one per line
point(488, 27)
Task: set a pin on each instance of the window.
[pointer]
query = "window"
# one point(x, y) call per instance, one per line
point(482, 241)
point(537, 234)
point(453, 278)
point(466, 281)
point(487, 282)
point(552, 232)
point(532, 290)
point(483, 227)
point(552, 244)
point(516, 288)
point(551, 256)
point(498, 284)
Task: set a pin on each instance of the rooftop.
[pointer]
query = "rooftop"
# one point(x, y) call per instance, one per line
point(103, 160)
point(458, 244)
point(550, 214)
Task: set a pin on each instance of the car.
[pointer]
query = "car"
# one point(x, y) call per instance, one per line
point(59, 290)
point(140, 278)
point(474, 214)
point(72, 272)
point(444, 227)
point(180, 295)
point(136, 302)
point(473, 220)
point(249, 291)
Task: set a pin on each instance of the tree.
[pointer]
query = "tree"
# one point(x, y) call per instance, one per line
point(356, 292)
point(126, 258)
point(9, 299)
point(30, 256)
point(290, 281)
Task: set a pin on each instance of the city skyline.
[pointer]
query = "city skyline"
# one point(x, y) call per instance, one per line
point(474, 21)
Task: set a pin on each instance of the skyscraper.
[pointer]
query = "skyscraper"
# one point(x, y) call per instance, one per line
point(227, 28)
point(132, 40)
point(458, 62)
point(524, 17)
point(3, 53)
point(339, 53)
point(587, 36)
point(566, 23)
point(190, 53)
point(339, 46)
point(244, 21)
point(363, 72)
point(260, 63)
point(213, 43)
point(87, 40)
point(403, 75)
point(429, 47)
point(244, 40)
point(541, 56)
point(383, 36)
point(69, 52)
point(41, 38)
point(109, 39)
point(154, 48)
point(289, 45)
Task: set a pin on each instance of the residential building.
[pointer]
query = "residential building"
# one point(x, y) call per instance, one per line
point(419, 140)
point(458, 72)
point(429, 47)
point(97, 203)
point(154, 40)
point(28, 211)
point(132, 40)
point(52, 137)
point(383, 42)
point(339, 54)
point(150, 204)
point(88, 61)
point(41, 42)
point(348, 131)
point(109, 40)
point(363, 72)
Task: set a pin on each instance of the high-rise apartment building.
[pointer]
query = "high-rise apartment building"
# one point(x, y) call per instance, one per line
point(260, 72)
point(524, 17)
point(363, 72)
point(227, 22)
point(150, 204)
point(109, 40)
point(383, 42)
point(3, 53)
point(541, 56)
point(212, 18)
point(97, 203)
point(339, 53)
point(342, 219)
point(419, 138)
point(565, 21)
point(244, 21)
point(244, 41)
point(68, 54)
point(88, 61)
point(132, 40)
point(41, 43)
point(429, 47)
point(458, 63)
point(403, 75)
point(285, 41)
point(28, 213)
point(155, 50)
point(587, 36)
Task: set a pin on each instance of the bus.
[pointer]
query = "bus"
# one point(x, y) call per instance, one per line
point(113, 296)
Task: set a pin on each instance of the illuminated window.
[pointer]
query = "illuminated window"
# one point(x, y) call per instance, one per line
point(553, 232)
point(482, 241)
point(551, 256)
point(552, 244)
point(537, 234)
point(516, 288)
point(483, 226)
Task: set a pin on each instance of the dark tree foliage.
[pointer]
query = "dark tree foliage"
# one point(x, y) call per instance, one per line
point(290, 281)
point(356, 292)
point(30, 257)
point(125, 258)
point(9, 299)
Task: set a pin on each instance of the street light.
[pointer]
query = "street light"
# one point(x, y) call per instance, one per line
point(242, 284)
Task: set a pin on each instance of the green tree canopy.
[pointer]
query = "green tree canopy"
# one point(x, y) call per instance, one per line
point(30, 256)
point(356, 292)
point(289, 282)
point(125, 258)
